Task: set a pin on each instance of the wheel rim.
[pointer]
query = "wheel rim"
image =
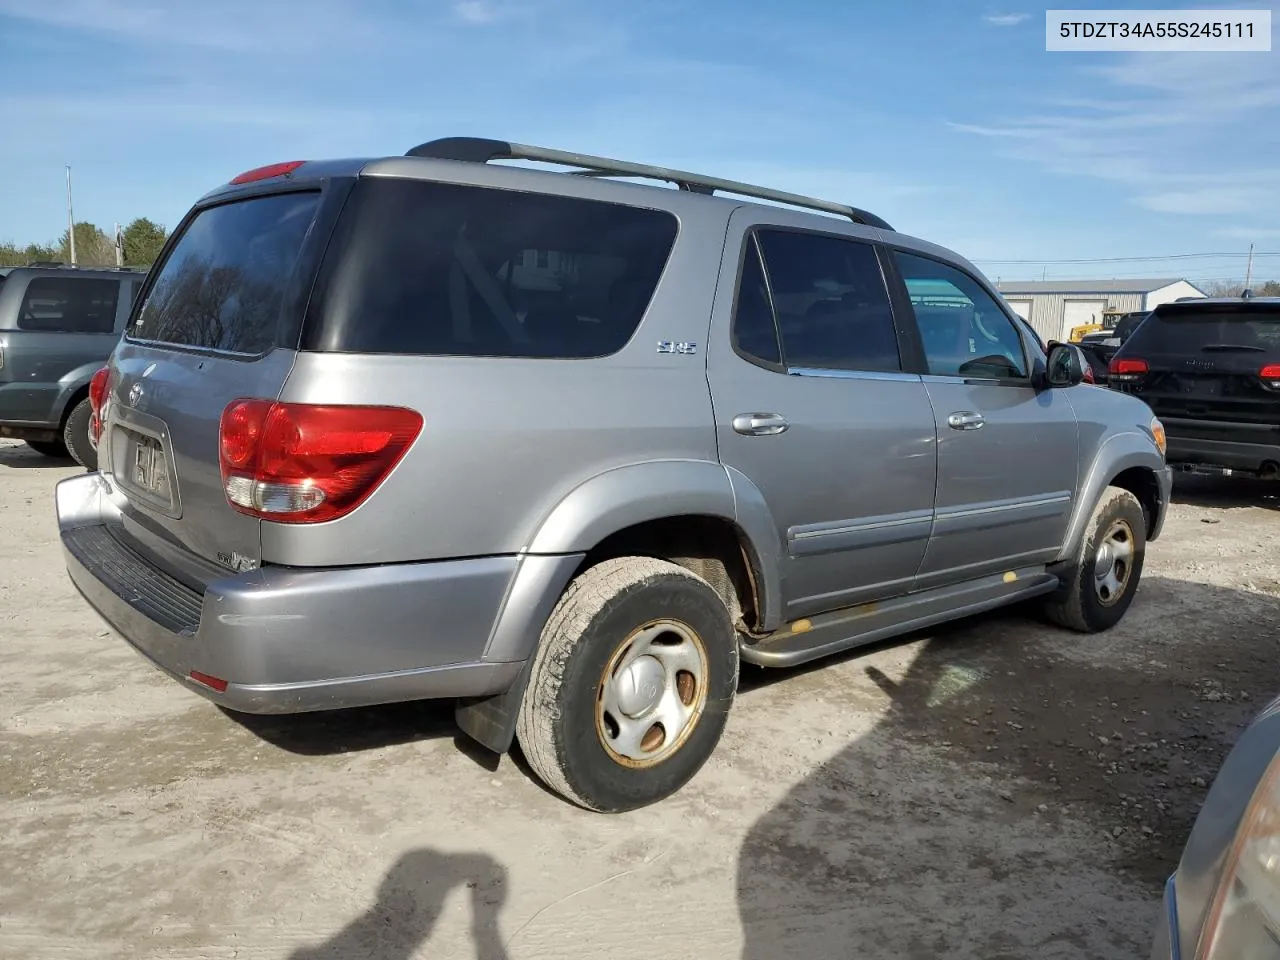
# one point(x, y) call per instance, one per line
point(652, 693)
point(1113, 563)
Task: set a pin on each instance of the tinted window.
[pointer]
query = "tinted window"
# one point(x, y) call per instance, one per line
point(431, 268)
point(69, 305)
point(832, 306)
point(222, 286)
point(964, 331)
point(1210, 331)
point(755, 333)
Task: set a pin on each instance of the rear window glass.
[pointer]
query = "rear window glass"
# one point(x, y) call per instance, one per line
point(1211, 331)
point(438, 269)
point(69, 305)
point(222, 286)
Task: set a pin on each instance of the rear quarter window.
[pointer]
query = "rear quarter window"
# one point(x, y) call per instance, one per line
point(424, 268)
point(223, 284)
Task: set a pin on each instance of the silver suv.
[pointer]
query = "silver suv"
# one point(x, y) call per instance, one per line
point(567, 449)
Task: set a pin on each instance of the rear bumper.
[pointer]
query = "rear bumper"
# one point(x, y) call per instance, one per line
point(290, 640)
point(1189, 448)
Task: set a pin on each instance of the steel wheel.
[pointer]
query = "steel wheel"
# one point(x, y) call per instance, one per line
point(1113, 563)
point(652, 693)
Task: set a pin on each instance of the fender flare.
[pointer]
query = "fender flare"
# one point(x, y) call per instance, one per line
point(72, 382)
point(1118, 453)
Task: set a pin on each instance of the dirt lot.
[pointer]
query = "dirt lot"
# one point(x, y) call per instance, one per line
point(994, 789)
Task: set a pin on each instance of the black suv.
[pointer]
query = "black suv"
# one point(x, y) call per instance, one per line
point(58, 325)
point(1210, 370)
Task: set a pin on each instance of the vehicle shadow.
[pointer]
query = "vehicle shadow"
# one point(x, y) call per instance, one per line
point(18, 456)
point(1226, 492)
point(331, 732)
point(1013, 778)
point(410, 900)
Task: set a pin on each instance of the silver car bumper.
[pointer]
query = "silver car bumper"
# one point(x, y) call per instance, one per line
point(1164, 945)
point(288, 640)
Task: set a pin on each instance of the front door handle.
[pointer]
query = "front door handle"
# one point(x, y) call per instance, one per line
point(966, 420)
point(760, 424)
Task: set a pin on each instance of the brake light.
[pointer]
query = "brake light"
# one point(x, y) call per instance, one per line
point(307, 463)
point(97, 399)
point(1270, 372)
point(267, 172)
point(1127, 367)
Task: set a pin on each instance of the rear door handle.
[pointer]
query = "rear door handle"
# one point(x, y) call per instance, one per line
point(760, 424)
point(966, 420)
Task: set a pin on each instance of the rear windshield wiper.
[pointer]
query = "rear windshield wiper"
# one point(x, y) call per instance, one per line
point(1229, 347)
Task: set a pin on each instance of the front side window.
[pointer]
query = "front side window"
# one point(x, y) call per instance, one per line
point(831, 302)
point(69, 305)
point(223, 285)
point(964, 331)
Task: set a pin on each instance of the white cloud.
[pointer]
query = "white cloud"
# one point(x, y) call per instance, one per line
point(1248, 234)
point(1006, 19)
point(477, 12)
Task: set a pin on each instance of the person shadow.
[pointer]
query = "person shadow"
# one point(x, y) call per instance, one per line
point(410, 901)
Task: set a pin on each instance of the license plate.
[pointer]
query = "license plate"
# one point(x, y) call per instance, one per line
point(150, 469)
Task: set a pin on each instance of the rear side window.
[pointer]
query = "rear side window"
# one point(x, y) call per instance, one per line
point(69, 305)
point(1210, 331)
point(831, 302)
point(223, 284)
point(426, 268)
point(755, 330)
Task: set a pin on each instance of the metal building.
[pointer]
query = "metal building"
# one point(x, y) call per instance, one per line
point(1054, 307)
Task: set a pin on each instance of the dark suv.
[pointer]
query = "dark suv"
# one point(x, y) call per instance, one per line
point(58, 325)
point(1210, 370)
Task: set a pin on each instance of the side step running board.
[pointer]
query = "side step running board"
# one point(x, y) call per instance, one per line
point(829, 633)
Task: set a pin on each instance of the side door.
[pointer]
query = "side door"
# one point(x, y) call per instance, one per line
point(1008, 451)
point(63, 322)
point(814, 409)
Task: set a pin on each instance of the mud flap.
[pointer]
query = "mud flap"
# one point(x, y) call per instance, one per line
point(491, 721)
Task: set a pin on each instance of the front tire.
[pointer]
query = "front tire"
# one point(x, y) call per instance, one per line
point(1101, 583)
point(75, 434)
point(631, 685)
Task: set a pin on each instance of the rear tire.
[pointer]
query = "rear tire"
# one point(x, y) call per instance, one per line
point(48, 448)
point(631, 685)
point(1101, 583)
point(75, 435)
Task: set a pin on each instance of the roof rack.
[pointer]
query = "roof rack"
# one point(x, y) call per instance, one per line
point(479, 150)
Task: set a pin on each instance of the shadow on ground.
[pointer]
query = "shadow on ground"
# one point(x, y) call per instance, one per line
point(409, 903)
point(359, 728)
point(18, 456)
point(1225, 492)
point(1022, 784)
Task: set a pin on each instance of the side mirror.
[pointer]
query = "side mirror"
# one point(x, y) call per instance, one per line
point(1065, 365)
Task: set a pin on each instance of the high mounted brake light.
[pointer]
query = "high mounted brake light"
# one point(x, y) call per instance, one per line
point(267, 172)
point(307, 463)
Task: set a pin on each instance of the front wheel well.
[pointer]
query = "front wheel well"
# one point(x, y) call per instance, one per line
point(713, 548)
point(1142, 483)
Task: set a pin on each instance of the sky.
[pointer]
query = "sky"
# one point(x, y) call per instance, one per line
point(949, 119)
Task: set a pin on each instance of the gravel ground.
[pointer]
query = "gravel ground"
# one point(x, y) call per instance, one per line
point(995, 788)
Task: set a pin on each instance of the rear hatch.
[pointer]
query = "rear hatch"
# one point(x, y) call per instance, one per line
point(1212, 365)
point(218, 319)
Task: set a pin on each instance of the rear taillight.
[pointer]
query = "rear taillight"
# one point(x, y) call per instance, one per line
point(307, 463)
point(267, 172)
point(97, 398)
point(1127, 368)
point(1270, 374)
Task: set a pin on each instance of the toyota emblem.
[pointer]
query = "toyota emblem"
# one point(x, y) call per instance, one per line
point(135, 394)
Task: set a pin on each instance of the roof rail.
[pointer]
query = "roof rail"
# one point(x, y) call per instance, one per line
point(479, 150)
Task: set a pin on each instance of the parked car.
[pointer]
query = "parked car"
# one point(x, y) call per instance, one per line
point(1101, 346)
point(1210, 369)
point(58, 325)
point(1223, 900)
point(567, 449)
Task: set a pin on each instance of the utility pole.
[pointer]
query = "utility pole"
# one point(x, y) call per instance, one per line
point(1248, 271)
point(71, 220)
point(119, 245)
